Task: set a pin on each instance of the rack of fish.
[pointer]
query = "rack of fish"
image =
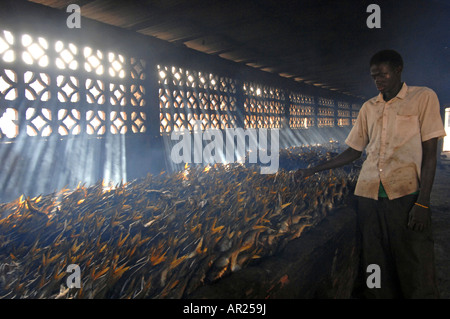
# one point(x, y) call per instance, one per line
point(162, 236)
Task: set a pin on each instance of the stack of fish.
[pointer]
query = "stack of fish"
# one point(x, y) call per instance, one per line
point(162, 236)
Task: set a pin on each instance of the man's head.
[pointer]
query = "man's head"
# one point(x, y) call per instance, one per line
point(386, 69)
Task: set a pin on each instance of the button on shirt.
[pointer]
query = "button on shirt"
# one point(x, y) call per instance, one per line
point(392, 134)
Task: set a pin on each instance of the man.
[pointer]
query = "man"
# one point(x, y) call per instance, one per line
point(399, 130)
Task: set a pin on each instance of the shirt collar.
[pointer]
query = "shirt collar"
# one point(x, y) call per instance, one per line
point(401, 94)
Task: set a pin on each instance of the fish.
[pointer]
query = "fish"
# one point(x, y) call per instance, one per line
point(164, 235)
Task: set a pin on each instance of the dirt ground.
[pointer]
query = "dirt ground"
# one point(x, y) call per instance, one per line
point(440, 204)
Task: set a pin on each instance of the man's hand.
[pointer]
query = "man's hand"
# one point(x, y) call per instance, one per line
point(303, 173)
point(419, 218)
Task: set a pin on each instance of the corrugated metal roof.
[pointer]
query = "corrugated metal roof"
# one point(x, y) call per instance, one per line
point(324, 42)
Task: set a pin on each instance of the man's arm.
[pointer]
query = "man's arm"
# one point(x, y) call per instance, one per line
point(420, 216)
point(428, 170)
point(346, 157)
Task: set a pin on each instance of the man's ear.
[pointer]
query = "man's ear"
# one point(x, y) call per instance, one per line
point(399, 69)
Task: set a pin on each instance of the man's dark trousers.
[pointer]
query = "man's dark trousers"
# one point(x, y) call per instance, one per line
point(405, 257)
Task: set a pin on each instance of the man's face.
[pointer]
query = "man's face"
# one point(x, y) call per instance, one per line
point(385, 77)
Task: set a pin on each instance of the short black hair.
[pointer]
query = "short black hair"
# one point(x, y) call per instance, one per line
point(387, 56)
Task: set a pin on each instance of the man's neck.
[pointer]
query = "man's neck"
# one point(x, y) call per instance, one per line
point(393, 93)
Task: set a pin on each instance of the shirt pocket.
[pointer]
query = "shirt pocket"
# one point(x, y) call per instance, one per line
point(407, 127)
